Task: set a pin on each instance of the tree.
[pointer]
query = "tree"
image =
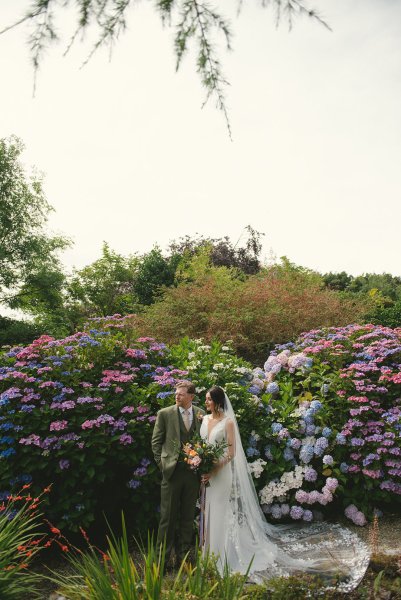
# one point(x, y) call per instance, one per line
point(193, 21)
point(155, 272)
point(105, 287)
point(222, 252)
point(28, 253)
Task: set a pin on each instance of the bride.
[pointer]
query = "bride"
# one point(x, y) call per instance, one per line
point(235, 528)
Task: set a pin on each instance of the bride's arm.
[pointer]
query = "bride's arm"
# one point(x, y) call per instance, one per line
point(230, 441)
point(230, 435)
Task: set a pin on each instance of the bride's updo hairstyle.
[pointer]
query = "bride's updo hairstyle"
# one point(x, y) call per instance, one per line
point(217, 394)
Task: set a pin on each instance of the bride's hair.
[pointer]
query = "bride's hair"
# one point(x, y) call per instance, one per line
point(218, 396)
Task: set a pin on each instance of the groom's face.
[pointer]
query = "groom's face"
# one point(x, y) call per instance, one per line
point(182, 398)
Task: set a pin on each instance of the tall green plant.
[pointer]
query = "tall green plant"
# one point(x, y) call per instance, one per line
point(20, 541)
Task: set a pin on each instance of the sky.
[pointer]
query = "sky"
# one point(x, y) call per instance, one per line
point(131, 158)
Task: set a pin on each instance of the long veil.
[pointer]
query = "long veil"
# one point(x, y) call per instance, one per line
point(330, 551)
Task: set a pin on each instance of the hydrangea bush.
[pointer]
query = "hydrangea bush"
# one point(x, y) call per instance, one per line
point(79, 412)
point(332, 432)
point(320, 422)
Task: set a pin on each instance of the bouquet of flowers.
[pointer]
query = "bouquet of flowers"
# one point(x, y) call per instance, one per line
point(200, 456)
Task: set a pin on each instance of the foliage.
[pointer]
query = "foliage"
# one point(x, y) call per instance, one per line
point(14, 331)
point(27, 251)
point(222, 252)
point(389, 316)
point(78, 412)
point(333, 423)
point(98, 575)
point(273, 306)
point(20, 542)
point(154, 272)
point(106, 286)
point(194, 21)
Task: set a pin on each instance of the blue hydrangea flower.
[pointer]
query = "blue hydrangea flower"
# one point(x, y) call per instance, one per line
point(320, 446)
point(268, 453)
point(252, 451)
point(276, 511)
point(306, 453)
point(344, 467)
point(315, 405)
point(326, 432)
point(134, 484)
point(276, 427)
point(288, 454)
point(272, 388)
point(328, 459)
point(254, 389)
point(341, 439)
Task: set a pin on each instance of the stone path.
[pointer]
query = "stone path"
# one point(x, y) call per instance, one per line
point(389, 534)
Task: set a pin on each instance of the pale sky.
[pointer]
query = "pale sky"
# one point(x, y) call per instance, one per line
point(131, 158)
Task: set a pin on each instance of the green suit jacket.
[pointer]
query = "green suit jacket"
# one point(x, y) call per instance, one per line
point(166, 437)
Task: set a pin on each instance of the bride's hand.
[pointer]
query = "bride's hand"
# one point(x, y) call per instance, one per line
point(205, 477)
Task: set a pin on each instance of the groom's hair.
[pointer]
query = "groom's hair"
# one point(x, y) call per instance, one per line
point(188, 385)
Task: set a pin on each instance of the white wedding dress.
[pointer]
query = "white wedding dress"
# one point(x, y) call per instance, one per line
point(236, 531)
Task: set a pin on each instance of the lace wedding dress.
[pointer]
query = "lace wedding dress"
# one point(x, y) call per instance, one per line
point(236, 531)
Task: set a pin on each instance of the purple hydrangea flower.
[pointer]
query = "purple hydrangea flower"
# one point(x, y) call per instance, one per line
point(296, 512)
point(310, 474)
point(307, 516)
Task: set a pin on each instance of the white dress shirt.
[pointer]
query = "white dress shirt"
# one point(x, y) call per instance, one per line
point(190, 415)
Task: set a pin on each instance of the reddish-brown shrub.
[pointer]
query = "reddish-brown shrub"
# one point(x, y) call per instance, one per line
point(265, 309)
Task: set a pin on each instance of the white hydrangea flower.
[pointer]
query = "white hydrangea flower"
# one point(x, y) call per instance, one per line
point(289, 480)
point(256, 467)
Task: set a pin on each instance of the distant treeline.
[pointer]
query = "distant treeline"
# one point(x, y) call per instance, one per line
point(203, 287)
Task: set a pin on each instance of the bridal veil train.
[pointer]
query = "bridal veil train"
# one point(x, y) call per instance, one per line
point(237, 532)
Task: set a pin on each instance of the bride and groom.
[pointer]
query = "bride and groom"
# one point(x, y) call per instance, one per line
point(235, 528)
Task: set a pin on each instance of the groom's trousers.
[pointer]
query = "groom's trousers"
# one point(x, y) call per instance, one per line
point(177, 510)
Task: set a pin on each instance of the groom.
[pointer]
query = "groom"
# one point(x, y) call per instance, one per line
point(175, 425)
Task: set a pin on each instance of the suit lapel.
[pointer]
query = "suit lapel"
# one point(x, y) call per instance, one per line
point(197, 421)
point(176, 419)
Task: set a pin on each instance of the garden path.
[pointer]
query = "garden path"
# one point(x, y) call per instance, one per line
point(389, 534)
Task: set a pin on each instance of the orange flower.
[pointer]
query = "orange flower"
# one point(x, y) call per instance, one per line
point(47, 490)
point(85, 535)
point(26, 486)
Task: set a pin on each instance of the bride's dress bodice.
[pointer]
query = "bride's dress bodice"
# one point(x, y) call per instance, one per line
point(217, 433)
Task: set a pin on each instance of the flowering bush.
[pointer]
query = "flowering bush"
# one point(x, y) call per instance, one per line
point(333, 423)
point(79, 412)
point(320, 422)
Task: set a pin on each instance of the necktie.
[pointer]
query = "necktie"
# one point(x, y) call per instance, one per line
point(185, 418)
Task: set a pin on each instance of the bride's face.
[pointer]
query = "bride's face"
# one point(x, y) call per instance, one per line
point(209, 403)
